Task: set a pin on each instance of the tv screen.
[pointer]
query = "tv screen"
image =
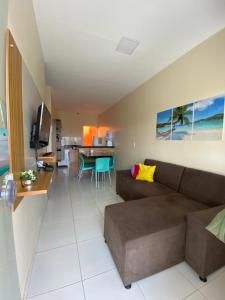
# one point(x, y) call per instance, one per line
point(43, 126)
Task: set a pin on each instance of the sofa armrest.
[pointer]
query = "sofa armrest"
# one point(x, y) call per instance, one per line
point(204, 217)
point(122, 175)
point(204, 252)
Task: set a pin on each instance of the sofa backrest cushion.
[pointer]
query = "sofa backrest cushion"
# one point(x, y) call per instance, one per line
point(203, 186)
point(166, 173)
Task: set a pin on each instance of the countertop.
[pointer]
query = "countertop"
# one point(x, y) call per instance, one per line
point(95, 147)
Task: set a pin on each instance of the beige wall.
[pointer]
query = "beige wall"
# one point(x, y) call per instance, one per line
point(21, 22)
point(72, 124)
point(197, 75)
point(27, 217)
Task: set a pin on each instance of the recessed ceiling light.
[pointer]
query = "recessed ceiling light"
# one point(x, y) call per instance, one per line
point(127, 46)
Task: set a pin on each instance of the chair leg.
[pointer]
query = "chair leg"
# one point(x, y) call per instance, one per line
point(96, 174)
point(110, 181)
point(79, 175)
point(104, 176)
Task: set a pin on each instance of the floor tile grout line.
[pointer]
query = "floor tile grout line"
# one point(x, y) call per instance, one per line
point(186, 277)
point(28, 280)
point(54, 248)
point(142, 292)
point(193, 293)
point(84, 241)
point(94, 238)
point(204, 296)
point(77, 244)
point(104, 272)
point(99, 274)
point(197, 289)
point(204, 284)
point(36, 253)
point(55, 290)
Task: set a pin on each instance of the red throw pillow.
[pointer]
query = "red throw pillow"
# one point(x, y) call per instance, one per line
point(136, 170)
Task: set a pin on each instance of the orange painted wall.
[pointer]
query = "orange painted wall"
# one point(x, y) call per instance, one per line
point(88, 133)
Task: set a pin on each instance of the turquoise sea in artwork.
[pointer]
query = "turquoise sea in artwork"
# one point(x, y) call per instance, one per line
point(186, 130)
point(209, 119)
point(163, 126)
point(182, 131)
point(207, 125)
point(164, 133)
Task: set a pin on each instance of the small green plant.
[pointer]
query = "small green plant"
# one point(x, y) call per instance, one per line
point(29, 175)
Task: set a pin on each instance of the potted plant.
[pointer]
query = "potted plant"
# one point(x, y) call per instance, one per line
point(28, 177)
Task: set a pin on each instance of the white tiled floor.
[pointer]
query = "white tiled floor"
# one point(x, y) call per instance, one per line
point(72, 261)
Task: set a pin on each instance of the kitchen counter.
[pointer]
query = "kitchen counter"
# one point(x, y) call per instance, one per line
point(88, 147)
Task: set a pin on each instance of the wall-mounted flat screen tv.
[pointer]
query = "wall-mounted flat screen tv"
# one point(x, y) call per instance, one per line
point(41, 129)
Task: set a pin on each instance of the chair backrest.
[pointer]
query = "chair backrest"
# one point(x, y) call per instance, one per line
point(102, 164)
point(112, 162)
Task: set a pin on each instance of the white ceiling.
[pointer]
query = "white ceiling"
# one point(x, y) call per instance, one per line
point(79, 38)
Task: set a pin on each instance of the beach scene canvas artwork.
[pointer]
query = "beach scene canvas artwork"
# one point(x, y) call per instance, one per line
point(164, 125)
point(182, 122)
point(201, 121)
point(209, 119)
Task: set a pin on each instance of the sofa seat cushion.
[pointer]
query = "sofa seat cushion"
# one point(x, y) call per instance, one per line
point(147, 235)
point(131, 189)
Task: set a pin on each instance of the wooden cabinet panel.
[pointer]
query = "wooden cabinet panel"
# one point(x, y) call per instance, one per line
point(14, 107)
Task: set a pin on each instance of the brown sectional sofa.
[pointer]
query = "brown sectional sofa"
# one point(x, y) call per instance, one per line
point(164, 223)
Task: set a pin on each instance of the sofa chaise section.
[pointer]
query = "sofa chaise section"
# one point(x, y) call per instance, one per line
point(165, 223)
point(146, 236)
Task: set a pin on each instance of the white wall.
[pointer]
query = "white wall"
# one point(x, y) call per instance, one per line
point(198, 75)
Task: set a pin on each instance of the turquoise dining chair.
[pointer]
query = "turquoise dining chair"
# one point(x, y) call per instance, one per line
point(84, 166)
point(101, 167)
point(112, 163)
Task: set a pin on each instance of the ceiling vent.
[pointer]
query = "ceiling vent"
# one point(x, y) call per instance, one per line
point(127, 46)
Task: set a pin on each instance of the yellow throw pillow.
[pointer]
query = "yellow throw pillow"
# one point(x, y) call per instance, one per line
point(146, 173)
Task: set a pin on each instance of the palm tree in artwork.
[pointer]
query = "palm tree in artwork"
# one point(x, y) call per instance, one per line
point(180, 115)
